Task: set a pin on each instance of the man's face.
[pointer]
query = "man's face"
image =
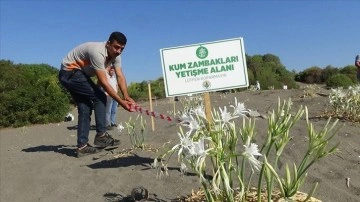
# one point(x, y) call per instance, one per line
point(114, 48)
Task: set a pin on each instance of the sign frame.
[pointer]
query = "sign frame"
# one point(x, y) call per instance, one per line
point(204, 67)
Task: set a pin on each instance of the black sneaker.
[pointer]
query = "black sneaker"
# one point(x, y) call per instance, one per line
point(86, 150)
point(113, 125)
point(106, 140)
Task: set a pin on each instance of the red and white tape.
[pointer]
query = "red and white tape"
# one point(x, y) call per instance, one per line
point(139, 109)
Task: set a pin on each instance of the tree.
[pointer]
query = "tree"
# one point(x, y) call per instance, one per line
point(328, 72)
point(339, 80)
point(30, 94)
point(269, 71)
point(312, 75)
point(350, 71)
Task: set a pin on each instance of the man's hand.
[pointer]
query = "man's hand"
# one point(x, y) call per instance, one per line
point(129, 106)
point(130, 100)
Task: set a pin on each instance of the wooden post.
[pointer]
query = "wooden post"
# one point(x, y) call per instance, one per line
point(174, 107)
point(175, 100)
point(208, 107)
point(151, 107)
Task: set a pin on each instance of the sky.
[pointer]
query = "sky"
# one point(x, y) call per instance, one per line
point(301, 33)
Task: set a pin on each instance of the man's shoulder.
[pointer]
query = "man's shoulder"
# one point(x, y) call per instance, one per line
point(92, 48)
point(93, 44)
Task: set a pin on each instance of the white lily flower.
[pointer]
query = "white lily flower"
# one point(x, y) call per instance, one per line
point(239, 108)
point(354, 90)
point(357, 88)
point(197, 148)
point(338, 92)
point(251, 150)
point(190, 122)
point(226, 117)
point(120, 127)
point(185, 143)
point(199, 110)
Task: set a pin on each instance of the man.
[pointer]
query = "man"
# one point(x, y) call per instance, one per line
point(357, 64)
point(111, 104)
point(85, 61)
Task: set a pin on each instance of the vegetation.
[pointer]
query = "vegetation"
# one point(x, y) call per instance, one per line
point(30, 94)
point(317, 75)
point(268, 70)
point(212, 148)
point(344, 104)
point(339, 80)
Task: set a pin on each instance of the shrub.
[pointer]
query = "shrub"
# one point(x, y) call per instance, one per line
point(350, 71)
point(138, 91)
point(30, 95)
point(328, 72)
point(269, 71)
point(339, 80)
point(312, 75)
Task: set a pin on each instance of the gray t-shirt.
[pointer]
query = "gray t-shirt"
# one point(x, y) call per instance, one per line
point(89, 57)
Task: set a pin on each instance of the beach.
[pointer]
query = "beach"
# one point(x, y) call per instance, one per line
point(38, 162)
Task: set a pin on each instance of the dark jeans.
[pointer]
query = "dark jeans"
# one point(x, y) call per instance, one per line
point(87, 96)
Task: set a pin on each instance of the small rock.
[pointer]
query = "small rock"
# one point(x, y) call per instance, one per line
point(139, 193)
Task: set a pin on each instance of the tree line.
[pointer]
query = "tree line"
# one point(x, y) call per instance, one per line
point(31, 93)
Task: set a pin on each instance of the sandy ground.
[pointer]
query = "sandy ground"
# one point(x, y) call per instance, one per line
point(38, 162)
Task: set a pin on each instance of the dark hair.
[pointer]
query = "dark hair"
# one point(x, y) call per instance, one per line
point(119, 37)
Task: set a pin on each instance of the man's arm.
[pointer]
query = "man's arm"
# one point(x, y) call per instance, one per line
point(357, 63)
point(103, 81)
point(122, 84)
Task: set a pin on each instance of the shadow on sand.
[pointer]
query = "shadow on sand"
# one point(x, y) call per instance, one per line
point(61, 149)
point(133, 160)
point(92, 127)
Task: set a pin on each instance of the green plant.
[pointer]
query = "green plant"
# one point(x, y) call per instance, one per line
point(311, 75)
point(310, 90)
point(137, 139)
point(31, 94)
point(345, 104)
point(280, 123)
point(339, 80)
point(217, 141)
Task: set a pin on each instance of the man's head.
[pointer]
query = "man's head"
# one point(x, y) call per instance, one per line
point(119, 37)
point(116, 44)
